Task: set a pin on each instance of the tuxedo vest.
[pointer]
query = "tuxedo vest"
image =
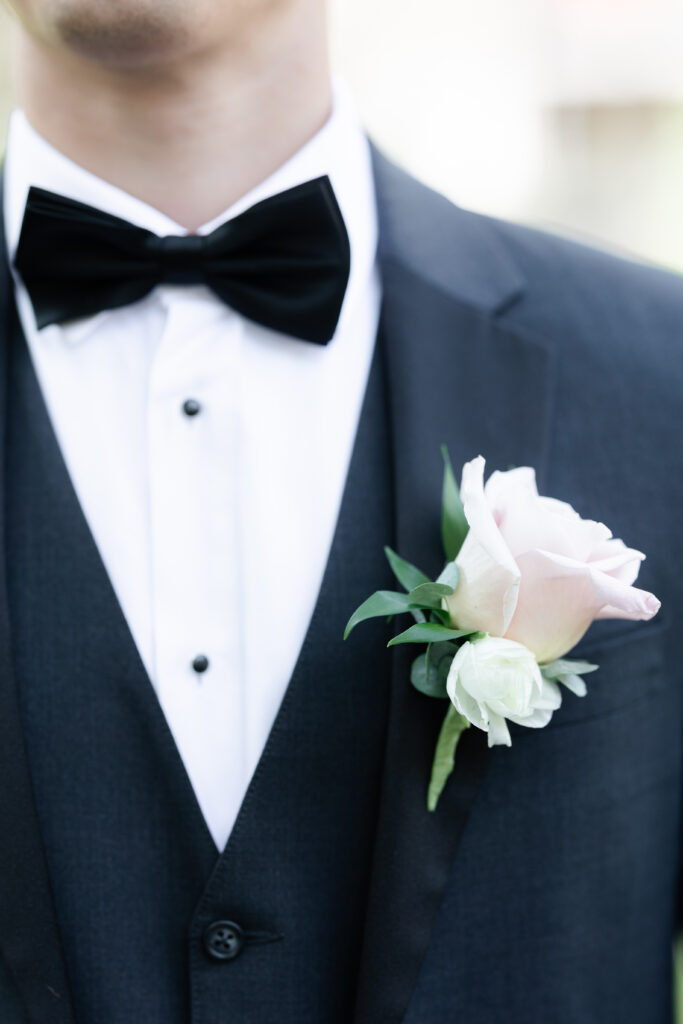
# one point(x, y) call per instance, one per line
point(156, 926)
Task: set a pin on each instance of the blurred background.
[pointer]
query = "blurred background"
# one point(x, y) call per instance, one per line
point(562, 113)
point(566, 114)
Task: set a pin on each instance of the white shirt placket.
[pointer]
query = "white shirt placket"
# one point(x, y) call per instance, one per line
point(195, 539)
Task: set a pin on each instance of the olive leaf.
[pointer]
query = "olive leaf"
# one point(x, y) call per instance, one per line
point(409, 576)
point(429, 671)
point(426, 633)
point(381, 603)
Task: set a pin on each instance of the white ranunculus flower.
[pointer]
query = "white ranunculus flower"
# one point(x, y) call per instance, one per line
point(493, 679)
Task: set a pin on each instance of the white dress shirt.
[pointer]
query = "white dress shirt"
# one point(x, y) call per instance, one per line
point(214, 528)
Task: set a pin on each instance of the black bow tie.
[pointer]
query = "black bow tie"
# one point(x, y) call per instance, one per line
point(283, 263)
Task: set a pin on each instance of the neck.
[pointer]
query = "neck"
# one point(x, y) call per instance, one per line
point(192, 137)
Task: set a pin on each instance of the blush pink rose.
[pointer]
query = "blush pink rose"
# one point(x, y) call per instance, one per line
point(533, 571)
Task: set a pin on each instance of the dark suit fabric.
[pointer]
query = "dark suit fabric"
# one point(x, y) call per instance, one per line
point(544, 888)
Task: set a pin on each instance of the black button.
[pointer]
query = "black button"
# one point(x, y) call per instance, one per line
point(223, 940)
point(200, 663)
point(191, 406)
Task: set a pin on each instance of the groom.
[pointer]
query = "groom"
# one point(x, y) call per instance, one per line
point(234, 338)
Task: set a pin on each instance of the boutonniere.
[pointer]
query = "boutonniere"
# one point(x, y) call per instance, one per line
point(525, 576)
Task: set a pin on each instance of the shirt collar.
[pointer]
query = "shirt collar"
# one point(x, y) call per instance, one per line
point(339, 149)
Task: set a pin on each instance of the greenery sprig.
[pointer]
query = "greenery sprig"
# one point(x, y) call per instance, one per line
point(423, 599)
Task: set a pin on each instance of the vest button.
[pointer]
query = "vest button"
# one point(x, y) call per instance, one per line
point(223, 940)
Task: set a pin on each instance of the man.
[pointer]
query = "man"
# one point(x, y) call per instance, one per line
point(213, 809)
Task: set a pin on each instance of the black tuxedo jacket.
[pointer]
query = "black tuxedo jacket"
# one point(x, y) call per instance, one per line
point(544, 888)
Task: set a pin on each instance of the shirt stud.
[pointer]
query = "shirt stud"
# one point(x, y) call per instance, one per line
point(191, 406)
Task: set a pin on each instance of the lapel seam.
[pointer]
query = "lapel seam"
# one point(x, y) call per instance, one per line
point(490, 314)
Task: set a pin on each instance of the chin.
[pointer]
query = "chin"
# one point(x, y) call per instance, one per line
point(116, 32)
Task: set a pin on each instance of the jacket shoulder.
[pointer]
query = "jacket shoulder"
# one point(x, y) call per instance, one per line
point(540, 281)
point(559, 271)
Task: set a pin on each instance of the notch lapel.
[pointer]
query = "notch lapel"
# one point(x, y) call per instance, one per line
point(29, 939)
point(457, 376)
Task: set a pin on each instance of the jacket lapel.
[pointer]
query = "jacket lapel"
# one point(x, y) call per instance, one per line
point(29, 940)
point(456, 376)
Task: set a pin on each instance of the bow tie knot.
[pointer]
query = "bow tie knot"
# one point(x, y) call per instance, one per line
point(179, 257)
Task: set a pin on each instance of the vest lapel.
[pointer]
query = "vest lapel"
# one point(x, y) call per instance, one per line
point(456, 376)
point(29, 940)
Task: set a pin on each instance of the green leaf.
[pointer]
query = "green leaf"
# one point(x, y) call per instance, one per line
point(430, 594)
point(454, 724)
point(566, 667)
point(429, 672)
point(439, 615)
point(454, 525)
point(426, 633)
point(409, 576)
point(450, 576)
point(382, 602)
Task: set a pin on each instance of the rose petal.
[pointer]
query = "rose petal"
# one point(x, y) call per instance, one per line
point(646, 607)
point(505, 489)
point(619, 561)
point(560, 508)
point(560, 597)
point(555, 606)
point(531, 523)
point(486, 596)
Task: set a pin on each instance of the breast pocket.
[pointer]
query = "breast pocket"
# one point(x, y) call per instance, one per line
point(631, 670)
